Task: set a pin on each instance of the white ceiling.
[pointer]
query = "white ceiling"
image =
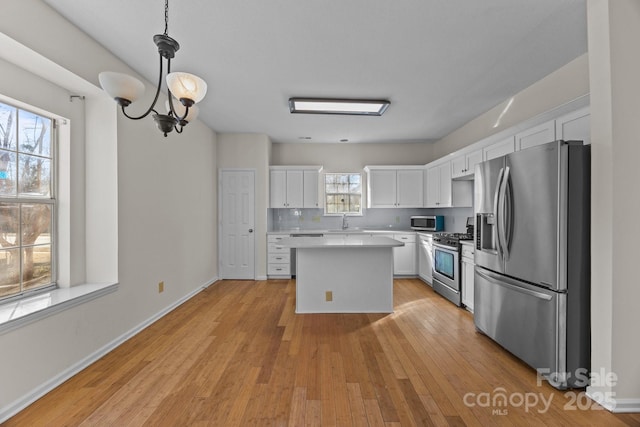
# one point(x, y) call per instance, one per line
point(440, 62)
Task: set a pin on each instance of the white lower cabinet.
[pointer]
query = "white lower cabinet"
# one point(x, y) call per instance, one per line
point(278, 257)
point(425, 257)
point(468, 251)
point(404, 257)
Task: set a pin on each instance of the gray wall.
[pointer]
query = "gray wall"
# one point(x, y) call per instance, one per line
point(161, 194)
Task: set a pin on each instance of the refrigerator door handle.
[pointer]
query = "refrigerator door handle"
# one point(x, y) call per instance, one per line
point(508, 283)
point(496, 203)
point(504, 221)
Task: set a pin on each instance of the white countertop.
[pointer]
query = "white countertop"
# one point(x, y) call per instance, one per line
point(353, 241)
point(347, 231)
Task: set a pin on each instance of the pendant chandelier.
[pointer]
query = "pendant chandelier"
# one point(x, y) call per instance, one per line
point(184, 90)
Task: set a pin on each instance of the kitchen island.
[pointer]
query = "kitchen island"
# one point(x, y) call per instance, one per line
point(352, 274)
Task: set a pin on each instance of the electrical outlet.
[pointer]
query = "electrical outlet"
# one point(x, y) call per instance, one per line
point(328, 296)
point(160, 287)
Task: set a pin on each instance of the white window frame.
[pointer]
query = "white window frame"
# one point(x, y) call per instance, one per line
point(325, 194)
point(26, 199)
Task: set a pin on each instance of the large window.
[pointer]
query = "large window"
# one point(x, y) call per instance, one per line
point(27, 203)
point(342, 193)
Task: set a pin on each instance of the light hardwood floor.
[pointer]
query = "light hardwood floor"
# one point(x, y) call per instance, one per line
point(236, 354)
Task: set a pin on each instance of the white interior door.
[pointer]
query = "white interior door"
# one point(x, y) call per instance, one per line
point(237, 224)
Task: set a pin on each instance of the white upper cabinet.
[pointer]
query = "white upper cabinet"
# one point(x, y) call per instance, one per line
point(288, 189)
point(295, 189)
point(499, 148)
point(278, 189)
point(311, 184)
point(438, 186)
point(409, 188)
point(574, 126)
point(382, 184)
point(537, 135)
point(394, 187)
point(464, 165)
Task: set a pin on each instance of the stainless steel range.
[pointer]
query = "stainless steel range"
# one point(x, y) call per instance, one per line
point(446, 264)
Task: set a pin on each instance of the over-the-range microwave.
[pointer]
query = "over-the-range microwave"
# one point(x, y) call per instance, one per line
point(427, 223)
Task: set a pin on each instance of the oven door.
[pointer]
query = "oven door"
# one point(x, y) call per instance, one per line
point(446, 266)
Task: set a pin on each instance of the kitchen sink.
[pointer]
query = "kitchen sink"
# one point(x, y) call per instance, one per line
point(346, 230)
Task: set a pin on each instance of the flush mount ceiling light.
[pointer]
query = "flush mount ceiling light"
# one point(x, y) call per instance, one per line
point(358, 107)
point(184, 90)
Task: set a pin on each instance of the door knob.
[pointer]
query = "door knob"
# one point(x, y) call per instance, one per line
point(251, 230)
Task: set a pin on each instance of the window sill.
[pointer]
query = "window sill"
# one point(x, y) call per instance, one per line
point(15, 314)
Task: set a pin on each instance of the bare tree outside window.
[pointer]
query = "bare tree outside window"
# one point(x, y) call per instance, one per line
point(26, 200)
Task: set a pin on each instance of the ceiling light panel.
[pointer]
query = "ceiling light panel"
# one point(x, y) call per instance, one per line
point(367, 107)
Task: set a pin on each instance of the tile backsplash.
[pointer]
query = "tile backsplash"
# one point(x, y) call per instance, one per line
point(392, 219)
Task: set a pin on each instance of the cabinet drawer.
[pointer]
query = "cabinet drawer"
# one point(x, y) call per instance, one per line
point(275, 238)
point(278, 269)
point(468, 251)
point(406, 238)
point(274, 248)
point(279, 258)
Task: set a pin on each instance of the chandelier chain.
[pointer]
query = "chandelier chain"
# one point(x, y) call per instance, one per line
point(166, 17)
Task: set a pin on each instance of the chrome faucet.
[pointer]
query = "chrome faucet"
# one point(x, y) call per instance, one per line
point(345, 223)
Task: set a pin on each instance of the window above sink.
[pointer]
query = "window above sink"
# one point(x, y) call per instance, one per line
point(343, 193)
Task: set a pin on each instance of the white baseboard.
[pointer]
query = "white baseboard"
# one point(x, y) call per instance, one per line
point(261, 277)
point(618, 406)
point(35, 394)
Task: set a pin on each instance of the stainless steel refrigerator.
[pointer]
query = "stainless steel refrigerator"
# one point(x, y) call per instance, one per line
point(532, 273)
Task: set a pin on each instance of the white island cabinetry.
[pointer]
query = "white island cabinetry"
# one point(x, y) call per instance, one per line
point(343, 275)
